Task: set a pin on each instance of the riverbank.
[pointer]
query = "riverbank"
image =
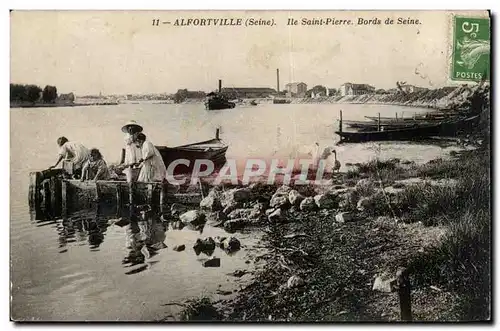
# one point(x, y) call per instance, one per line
point(52, 105)
point(333, 250)
point(445, 98)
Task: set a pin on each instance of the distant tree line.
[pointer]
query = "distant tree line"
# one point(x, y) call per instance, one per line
point(32, 93)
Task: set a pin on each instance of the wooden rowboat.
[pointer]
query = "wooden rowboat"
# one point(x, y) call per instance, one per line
point(213, 150)
point(449, 128)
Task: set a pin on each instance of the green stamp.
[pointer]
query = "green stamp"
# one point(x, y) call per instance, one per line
point(471, 49)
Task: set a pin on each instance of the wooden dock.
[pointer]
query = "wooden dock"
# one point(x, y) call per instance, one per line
point(51, 196)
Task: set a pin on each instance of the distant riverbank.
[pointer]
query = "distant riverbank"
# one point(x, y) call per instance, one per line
point(74, 104)
point(442, 98)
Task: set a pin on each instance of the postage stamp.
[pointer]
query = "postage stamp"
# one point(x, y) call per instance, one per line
point(471, 49)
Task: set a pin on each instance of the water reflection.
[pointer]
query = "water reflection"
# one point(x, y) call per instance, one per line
point(144, 239)
point(90, 228)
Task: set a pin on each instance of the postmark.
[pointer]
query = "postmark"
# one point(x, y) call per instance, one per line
point(471, 49)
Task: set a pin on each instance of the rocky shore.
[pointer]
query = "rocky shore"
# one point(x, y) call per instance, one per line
point(445, 98)
point(334, 249)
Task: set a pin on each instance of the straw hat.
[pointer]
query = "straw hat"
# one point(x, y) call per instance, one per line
point(129, 124)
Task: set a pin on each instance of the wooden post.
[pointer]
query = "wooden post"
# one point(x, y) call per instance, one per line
point(118, 200)
point(217, 131)
point(162, 198)
point(220, 85)
point(396, 116)
point(97, 192)
point(150, 195)
point(64, 202)
point(378, 121)
point(34, 195)
point(131, 197)
point(340, 121)
point(54, 212)
point(404, 291)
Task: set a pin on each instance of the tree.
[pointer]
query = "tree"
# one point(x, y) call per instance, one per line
point(332, 91)
point(317, 89)
point(24, 93)
point(49, 94)
point(33, 93)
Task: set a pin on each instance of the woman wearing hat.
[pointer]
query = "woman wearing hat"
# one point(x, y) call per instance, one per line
point(132, 152)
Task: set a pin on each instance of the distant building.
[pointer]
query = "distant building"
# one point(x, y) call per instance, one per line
point(356, 89)
point(297, 89)
point(247, 92)
point(412, 88)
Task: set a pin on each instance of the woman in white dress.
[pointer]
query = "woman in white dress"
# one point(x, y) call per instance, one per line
point(132, 151)
point(152, 166)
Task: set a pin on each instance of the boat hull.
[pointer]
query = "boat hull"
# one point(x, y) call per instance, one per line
point(217, 104)
point(450, 128)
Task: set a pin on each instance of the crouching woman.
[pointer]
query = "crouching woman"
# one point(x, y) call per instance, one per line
point(95, 168)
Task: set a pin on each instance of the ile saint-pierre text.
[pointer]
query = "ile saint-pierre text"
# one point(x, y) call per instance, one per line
point(359, 21)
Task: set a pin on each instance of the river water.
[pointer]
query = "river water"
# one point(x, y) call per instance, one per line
point(78, 270)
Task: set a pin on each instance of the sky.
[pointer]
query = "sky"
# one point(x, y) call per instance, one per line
point(119, 52)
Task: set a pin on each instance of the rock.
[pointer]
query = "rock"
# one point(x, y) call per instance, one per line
point(278, 201)
point(235, 214)
point(307, 204)
point(295, 198)
point(204, 245)
point(211, 202)
point(179, 248)
point(275, 216)
point(216, 219)
point(193, 217)
point(294, 281)
point(258, 210)
point(344, 217)
point(363, 204)
point(229, 208)
point(239, 273)
point(233, 196)
point(270, 211)
point(233, 245)
point(214, 262)
point(220, 241)
point(222, 292)
point(384, 283)
point(122, 222)
point(235, 224)
point(242, 195)
point(177, 209)
point(283, 190)
point(250, 213)
point(177, 225)
point(326, 201)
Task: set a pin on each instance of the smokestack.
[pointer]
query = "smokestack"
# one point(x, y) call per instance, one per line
point(220, 85)
point(278, 80)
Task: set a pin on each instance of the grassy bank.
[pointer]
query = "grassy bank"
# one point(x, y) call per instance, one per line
point(433, 219)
